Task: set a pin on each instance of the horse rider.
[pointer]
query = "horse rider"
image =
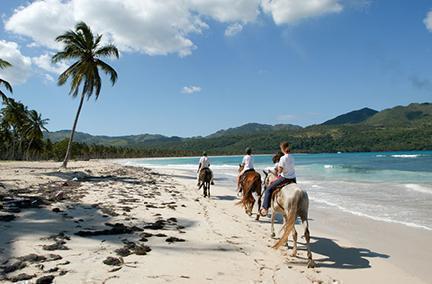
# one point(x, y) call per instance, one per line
point(247, 164)
point(204, 163)
point(286, 176)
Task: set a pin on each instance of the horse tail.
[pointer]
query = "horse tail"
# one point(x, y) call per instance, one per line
point(289, 224)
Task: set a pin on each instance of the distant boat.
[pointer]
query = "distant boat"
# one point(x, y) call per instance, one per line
point(339, 152)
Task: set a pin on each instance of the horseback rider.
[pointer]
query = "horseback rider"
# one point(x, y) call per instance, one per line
point(247, 164)
point(274, 169)
point(204, 163)
point(286, 176)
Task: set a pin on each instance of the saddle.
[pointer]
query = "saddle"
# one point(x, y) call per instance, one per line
point(244, 174)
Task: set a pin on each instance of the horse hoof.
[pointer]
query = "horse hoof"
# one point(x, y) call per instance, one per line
point(311, 264)
point(273, 235)
point(257, 217)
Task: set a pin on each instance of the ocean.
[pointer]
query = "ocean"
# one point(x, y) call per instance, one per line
point(386, 186)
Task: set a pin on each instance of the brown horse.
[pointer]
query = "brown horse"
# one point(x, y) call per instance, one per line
point(205, 177)
point(250, 182)
point(291, 201)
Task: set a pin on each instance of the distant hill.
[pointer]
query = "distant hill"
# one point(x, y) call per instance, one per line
point(121, 141)
point(399, 128)
point(253, 129)
point(352, 117)
point(411, 115)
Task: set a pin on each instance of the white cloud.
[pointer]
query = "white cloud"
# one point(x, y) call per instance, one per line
point(153, 27)
point(227, 10)
point(290, 11)
point(428, 21)
point(190, 89)
point(21, 65)
point(44, 62)
point(233, 29)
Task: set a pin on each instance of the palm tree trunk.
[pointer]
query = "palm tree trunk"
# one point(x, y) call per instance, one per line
point(69, 148)
point(28, 149)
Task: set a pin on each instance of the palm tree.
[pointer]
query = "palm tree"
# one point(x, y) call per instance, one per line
point(14, 117)
point(83, 47)
point(33, 129)
point(4, 64)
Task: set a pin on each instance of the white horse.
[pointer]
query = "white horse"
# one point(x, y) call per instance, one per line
point(291, 201)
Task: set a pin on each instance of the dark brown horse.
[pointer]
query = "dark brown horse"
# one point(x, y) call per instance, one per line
point(250, 182)
point(205, 177)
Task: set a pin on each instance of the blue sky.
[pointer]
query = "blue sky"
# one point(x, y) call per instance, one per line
point(285, 64)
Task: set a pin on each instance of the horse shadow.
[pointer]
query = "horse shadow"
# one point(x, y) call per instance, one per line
point(225, 197)
point(336, 256)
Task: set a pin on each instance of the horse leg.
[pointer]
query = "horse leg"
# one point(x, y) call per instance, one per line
point(273, 216)
point(311, 263)
point(208, 189)
point(294, 232)
point(259, 205)
point(272, 222)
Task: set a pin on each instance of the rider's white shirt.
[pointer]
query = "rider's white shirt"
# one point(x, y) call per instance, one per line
point(247, 162)
point(287, 165)
point(204, 161)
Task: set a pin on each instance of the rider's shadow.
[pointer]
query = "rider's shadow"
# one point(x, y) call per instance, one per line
point(336, 256)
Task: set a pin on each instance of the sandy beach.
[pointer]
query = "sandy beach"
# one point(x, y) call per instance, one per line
point(101, 222)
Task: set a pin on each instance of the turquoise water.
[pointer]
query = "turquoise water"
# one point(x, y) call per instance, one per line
point(386, 186)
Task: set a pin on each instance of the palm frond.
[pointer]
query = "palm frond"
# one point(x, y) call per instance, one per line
point(108, 50)
point(6, 85)
point(108, 70)
point(4, 64)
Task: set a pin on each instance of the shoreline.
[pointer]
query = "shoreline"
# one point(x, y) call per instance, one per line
point(221, 243)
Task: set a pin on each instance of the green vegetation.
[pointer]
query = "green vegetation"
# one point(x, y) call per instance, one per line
point(352, 117)
point(21, 135)
point(83, 47)
point(4, 64)
point(391, 134)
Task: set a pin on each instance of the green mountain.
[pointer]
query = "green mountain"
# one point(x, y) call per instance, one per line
point(254, 128)
point(399, 128)
point(352, 117)
point(119, 141)
point(411, 115)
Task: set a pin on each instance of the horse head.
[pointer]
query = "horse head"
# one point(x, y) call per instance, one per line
point(241, 167)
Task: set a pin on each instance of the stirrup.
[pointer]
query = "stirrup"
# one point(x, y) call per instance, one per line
point(262, 211)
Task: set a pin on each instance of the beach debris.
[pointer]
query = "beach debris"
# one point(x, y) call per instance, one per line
point(116, 229)
point(123, 251)
point(14, 267)
point(33, 258)
point(53, 257)
point(54, 269)
point(174, 240)
point(158, 225)
point(21, 277)
point(115, 269)
point(47, 279)
point(58, 245)
point(59, 195)
point(7, 217)
point(146, 235)
point(113, 261)
point(141, 250)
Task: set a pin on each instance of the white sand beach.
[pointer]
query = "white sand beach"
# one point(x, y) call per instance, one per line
point(153, 226)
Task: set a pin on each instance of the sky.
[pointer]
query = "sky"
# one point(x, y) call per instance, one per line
point(192, 67)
